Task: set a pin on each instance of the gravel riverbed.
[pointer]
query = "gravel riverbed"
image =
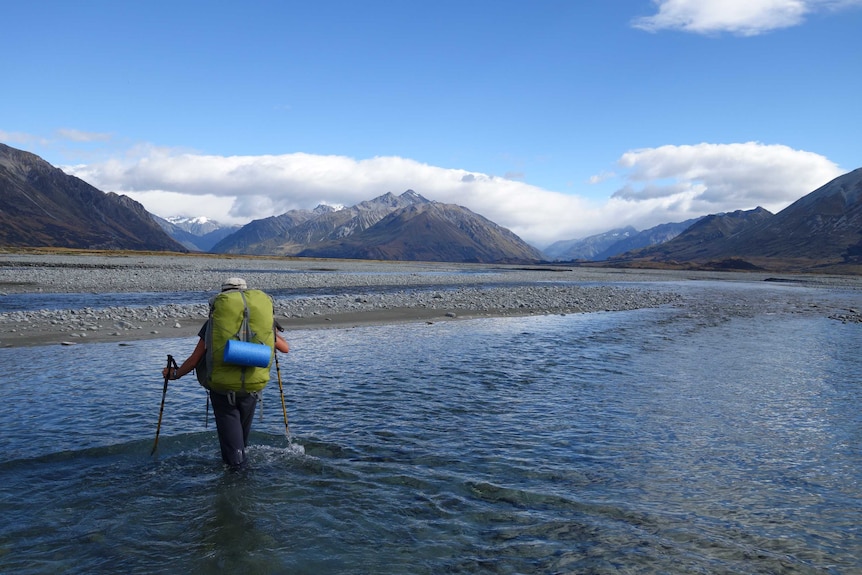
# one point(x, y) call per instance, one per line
point(331, 293)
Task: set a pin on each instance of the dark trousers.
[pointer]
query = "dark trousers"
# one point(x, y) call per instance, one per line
point(233, 416)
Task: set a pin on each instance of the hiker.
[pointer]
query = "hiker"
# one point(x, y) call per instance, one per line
point(236, 313)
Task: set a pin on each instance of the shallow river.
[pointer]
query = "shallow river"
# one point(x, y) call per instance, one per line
point(722, 438)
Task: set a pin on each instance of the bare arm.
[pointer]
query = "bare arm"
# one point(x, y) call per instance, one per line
point(189, 364)
point(281, 344)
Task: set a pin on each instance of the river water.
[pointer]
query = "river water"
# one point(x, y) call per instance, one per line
point(721, 437)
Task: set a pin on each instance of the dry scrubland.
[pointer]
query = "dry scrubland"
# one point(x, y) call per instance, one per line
point(331, 293)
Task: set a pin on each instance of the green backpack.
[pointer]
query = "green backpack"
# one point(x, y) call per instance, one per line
point(239, 316)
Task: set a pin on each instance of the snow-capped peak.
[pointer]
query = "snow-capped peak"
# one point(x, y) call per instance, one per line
point(198, 225)
point(199, 220)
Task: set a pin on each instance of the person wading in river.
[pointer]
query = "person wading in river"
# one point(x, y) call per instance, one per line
point(232, 361)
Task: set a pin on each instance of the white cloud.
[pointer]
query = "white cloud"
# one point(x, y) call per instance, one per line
point(657, 185)
point(81, 136)
point(178, 204)
point(21, 138)
point(237, 189)
point(711, 178)
point(599, 178)
point(742, 17)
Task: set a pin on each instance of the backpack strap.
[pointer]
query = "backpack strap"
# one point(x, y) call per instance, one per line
point(245, 333)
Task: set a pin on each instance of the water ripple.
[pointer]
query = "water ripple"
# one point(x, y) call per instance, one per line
point(631, 442)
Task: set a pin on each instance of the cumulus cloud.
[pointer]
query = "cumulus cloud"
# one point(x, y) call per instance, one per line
point(657, 185)
point(742, 17)
point(237, 189)
point(711, 178)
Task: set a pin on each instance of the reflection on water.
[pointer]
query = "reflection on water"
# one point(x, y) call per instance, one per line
point(652, 441)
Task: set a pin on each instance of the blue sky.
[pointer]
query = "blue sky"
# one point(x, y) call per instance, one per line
point(556, 119)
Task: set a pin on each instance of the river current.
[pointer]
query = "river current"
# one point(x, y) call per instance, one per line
point(671, 440)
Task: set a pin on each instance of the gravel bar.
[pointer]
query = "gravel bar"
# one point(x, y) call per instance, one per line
point(367, 292)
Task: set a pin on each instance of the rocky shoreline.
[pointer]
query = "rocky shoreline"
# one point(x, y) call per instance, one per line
point(367, 292)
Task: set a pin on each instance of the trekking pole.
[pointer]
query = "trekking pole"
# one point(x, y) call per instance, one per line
point(171, 362)
point(281, 391)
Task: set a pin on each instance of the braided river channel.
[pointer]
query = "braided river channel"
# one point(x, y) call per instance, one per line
point(717, 436)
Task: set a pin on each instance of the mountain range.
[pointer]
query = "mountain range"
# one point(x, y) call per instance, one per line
point(389, 227)
point(40, 205)
point(426, 230)
point(819, 231)
point(600, 247)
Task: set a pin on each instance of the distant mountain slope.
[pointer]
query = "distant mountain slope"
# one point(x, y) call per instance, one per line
point(209, 240)
point(821, 228)
point(196, 234)
point(248, 239)
point(822, 225)
point(42, 206)
point(650, 237)
point(430, 231)
point(188, 240)
point(699, 241)
point(587, 248)
point(615, 242)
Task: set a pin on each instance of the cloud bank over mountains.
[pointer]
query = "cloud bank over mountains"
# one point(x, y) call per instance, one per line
point(648, 186)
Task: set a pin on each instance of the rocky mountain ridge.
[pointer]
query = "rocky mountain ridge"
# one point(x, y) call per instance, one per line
point(403, 227)
point(298, 230)
point(430, 231)
point(41, 206)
